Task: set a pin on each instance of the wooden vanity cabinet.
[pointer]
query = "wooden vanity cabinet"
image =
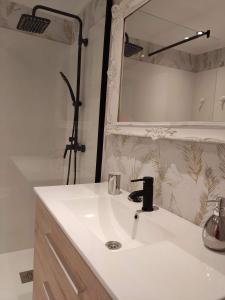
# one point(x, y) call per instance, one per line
point(60, 273)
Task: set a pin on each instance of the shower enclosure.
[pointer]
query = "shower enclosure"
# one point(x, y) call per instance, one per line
point(37, 117)
point(34, 24)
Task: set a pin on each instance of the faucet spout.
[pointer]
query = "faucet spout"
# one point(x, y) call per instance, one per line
point(146, 194)
point(136, 196)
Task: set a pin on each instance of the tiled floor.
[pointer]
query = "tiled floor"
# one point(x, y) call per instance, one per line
point(11, 264)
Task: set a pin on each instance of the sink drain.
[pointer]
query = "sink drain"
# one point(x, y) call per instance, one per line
point(113, 245)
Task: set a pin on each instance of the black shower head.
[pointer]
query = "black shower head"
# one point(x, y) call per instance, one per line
point(131, 49)
point(33, 24)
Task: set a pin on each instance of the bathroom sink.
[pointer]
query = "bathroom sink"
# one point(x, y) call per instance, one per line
point(110, 219)
point(162, 255)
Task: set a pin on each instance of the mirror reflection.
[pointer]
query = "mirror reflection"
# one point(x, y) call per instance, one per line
point(173, 67)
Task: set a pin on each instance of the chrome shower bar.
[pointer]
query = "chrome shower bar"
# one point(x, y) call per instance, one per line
point(186, 40)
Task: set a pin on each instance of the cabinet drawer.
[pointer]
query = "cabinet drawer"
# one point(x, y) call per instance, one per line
point(38, 288)
point(45, 285)
point(57, 274)
point(65, 262)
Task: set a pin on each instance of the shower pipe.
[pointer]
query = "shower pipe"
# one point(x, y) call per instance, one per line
point(186, 40)
point(73, 145)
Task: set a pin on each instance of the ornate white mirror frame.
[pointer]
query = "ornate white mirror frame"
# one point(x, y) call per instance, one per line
point(187, 131)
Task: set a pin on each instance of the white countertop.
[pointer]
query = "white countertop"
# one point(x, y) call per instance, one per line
point(175, 266)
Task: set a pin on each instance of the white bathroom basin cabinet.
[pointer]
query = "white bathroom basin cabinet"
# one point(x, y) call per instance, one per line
point(162, 255)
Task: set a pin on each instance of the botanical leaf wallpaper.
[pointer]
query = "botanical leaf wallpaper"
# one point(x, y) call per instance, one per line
point(186, 174)
point(192, 154)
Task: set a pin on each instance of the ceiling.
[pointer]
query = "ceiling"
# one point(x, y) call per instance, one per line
point(164, 22)
point(72, 6)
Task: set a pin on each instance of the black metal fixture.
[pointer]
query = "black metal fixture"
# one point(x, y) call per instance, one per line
point(131, 49)
point(105, 65)
point(73, 145)
point(146, 194)
point(34, 24)
point(185, 40)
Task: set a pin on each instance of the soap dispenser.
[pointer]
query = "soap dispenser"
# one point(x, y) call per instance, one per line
point(214, 229)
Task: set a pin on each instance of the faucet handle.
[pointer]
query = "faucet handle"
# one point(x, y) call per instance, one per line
point(144, 179)
point(137, 180)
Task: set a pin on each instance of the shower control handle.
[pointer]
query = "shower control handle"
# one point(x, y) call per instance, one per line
point(85, 42)
point(74, 147)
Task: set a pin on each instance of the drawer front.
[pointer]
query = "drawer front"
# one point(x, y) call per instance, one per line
point(38, 291)
point(45, 284)
point(65, 283)
point(66, 263)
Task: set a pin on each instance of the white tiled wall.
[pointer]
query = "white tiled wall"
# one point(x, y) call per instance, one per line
point(36, 117)
point(32, 129)
point(155, 93)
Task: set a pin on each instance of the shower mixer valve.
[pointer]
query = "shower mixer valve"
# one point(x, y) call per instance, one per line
point(74, 147)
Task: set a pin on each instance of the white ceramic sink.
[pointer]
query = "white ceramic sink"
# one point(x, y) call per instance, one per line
point(162, 255)
point(111, 220)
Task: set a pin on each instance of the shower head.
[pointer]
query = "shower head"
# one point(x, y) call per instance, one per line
point(33, 24)
point(131, 49)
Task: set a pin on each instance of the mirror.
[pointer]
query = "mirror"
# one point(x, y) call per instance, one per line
point(173, 68)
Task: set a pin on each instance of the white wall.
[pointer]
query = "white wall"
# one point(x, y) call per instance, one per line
point(219, 110)
point(155, 93)
point(205, 86)
point(66, 5)
point(36, 116)
point(94, 27)
point(209, 85)
point(33, 117)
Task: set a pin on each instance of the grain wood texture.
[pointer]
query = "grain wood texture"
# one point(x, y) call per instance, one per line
point(61, 275)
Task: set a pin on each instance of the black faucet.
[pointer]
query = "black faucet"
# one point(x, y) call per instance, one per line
point(146, 194)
